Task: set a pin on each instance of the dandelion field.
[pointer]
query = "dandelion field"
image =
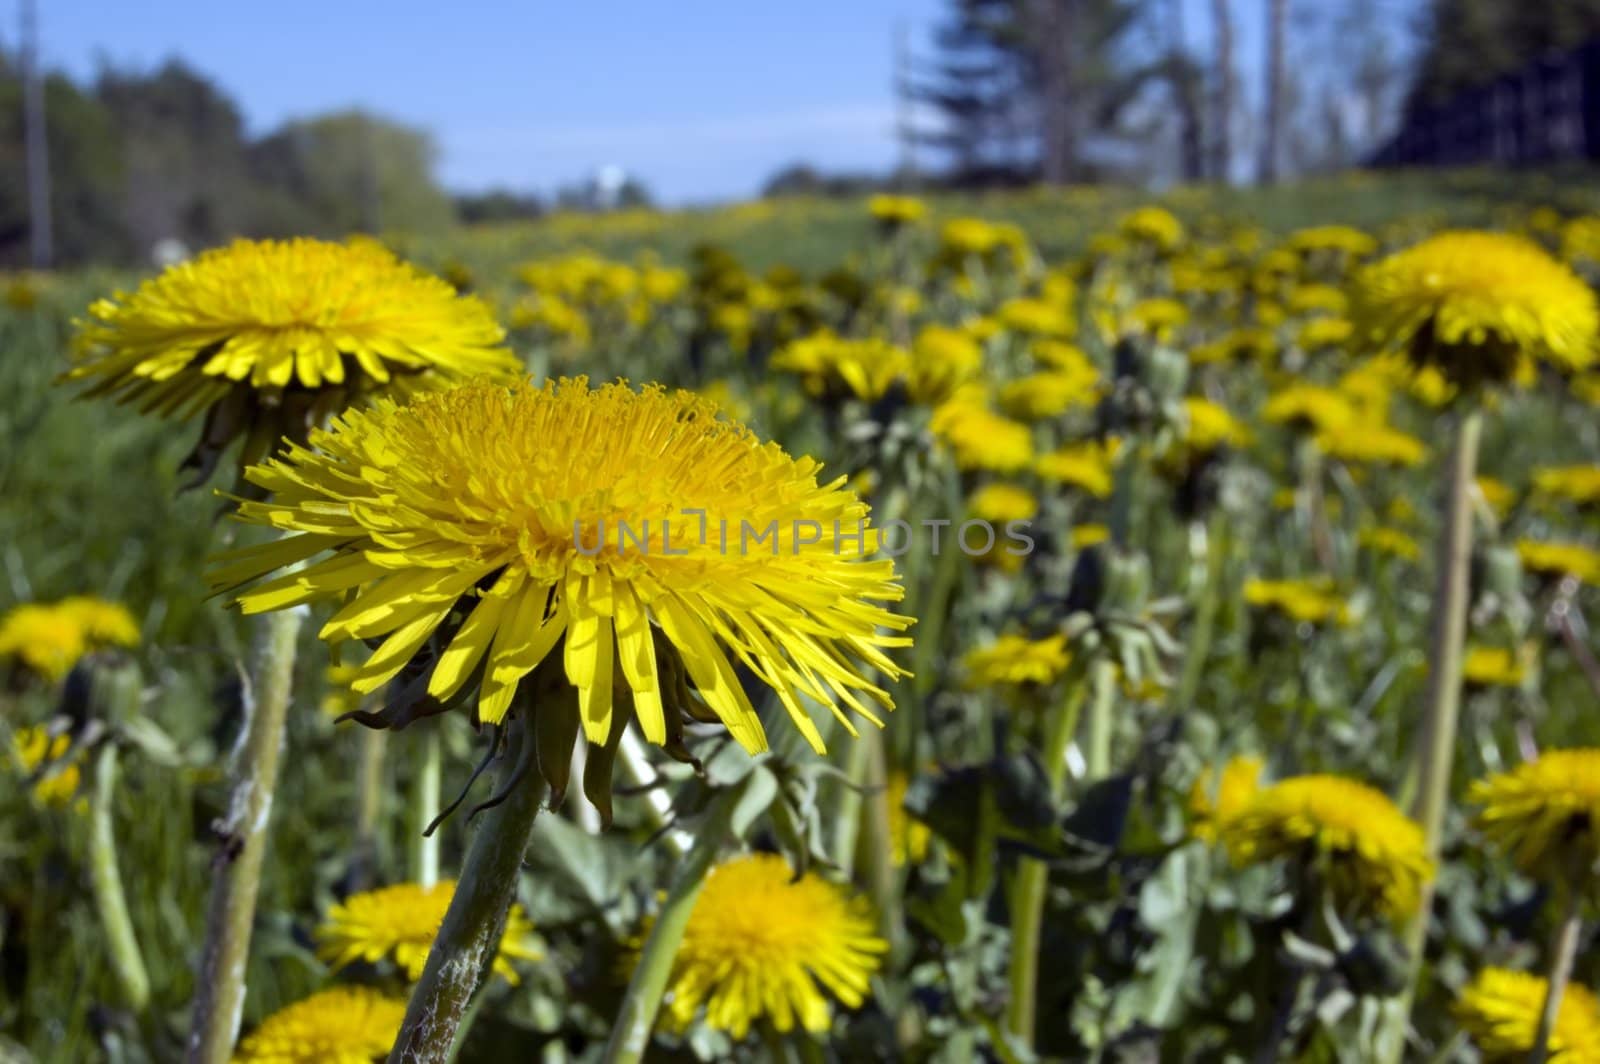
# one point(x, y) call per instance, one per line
point(1168, 784)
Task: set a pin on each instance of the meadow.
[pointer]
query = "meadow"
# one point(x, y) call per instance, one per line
point(1156, 789)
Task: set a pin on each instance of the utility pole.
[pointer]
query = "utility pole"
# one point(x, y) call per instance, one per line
point(40, 241)
point(1222, 92)
point(904, 133)
point(1272, 135)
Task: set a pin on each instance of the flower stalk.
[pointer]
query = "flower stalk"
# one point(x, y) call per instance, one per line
point(126, 959)
point(630, 1034)
point(425, 806)
point(1436, 754)
point(219, 1000)
point(1562, 953)
point(472, 927)
point(1033, 875)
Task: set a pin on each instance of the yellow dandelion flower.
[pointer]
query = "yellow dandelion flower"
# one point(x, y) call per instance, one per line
point(53, 760)
point(1340, 238)
point(762, 945)
point(1001, 503)
point(1208, 426)
point(1088, 465)
point(610, 522)
point(1086, 536)
point(1312, 601)
point(729, 399)
point(272, 336)
point(1580, 240)
point(1308, 407)
point(44, 638)
point(1393, 542)
point(1216, 798)
point(1014, 659)
point(1365, 443)
point(969, 236)
point(1576, 484)
point(103, 623)
point(1049, 394)
point(1240, 345)
point(344, 1025)
point(942, 359)
point(1035, 318)
point(1494, 667)
point(1155, 226)
point(1159, 317)
point(832, 367)
point(1560, 559)
point(1060, 355)
point(1545, 813)
point(1476, 304)
point(1319, 333)
point(1500, 1010)
point(1496, 494)
point(1308, 299)
point(1368, 854)
point(978, 438)
point(399, 923)
point(897, 210)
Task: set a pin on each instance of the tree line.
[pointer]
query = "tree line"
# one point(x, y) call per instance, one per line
point(1021, 91)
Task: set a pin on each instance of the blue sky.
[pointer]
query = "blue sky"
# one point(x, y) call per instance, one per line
point(703, 99)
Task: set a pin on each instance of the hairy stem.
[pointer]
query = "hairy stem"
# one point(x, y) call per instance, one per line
point(219, 998)
point(473, 924)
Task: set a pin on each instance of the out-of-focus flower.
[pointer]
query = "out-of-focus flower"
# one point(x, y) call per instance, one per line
point(344, 1025)
point(400, 923)
point(1310, 601)
point(1088, 465)
point(1546, 814)
point(1014, 659)
point(1476, 305)
point(1500, 1011)
point(763, 945)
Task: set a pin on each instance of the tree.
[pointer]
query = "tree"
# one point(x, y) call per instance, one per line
point(1466, 43)
point(497, 205)
point(1020, 86)
point(347, 172)
point(1186, 84)
point(182, 143)
point(1272, 122)
point(86, 166)
point(1222, 91)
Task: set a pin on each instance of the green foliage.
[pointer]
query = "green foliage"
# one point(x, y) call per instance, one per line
point(1469, 42)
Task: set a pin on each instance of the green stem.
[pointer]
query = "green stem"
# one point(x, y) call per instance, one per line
point(1208, 598)
point(219, 998)
point(847, 818)
point(425, 806)
point(1033, 876)
point(1562, 953)
point(876, 845)
point(476, 919)
point(1436, 753)
point(126, 960)
point(1102, 720)
point(370, 792)
point(630, 1035)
